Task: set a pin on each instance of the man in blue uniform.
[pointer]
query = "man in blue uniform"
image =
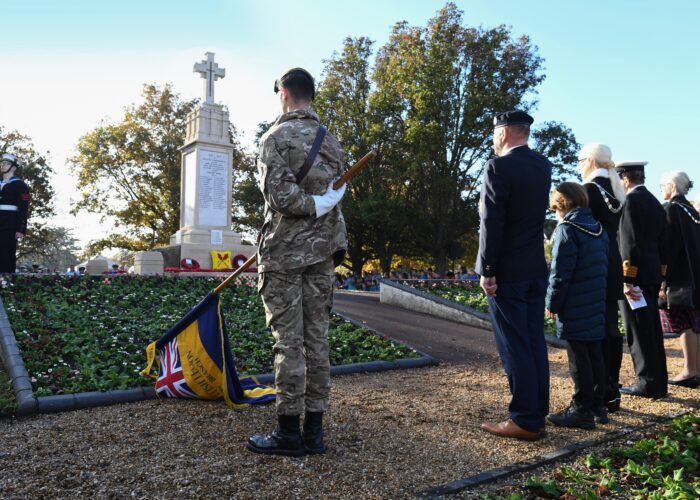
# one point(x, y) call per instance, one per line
point(14, 207)
point(642, 247)
point(513, 270)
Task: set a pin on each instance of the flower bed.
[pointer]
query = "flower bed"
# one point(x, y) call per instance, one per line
point(90, 333)
point(7, 400)
point(660, 465)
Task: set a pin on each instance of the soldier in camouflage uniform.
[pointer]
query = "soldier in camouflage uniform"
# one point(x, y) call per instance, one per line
point(302, 240)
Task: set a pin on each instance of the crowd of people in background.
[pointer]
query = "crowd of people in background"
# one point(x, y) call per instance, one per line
point(369, 281)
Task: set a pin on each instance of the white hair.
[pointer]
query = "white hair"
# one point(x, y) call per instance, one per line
point(680, 180)
point(602, 157)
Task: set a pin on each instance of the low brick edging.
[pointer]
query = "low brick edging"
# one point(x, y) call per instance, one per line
point(13, 363)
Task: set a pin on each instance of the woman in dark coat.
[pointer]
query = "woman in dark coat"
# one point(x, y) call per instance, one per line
point(683, 257)
point(605, 199)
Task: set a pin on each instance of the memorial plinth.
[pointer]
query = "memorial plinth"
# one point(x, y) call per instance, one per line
point(206, 183)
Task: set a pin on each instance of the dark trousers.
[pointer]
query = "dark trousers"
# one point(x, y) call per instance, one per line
point(646, 342)
point(8, 250)
point(588, 373)
point(517, 315)
point(612, 351)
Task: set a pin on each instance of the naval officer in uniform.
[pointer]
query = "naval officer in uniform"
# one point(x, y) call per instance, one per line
point(513, 270)
point(642, 247)
point(14, 209)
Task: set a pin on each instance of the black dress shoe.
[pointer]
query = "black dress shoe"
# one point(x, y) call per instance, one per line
point(573, 418)
point(633, 390)
point(691, 382)
point(285, 440)
point(613, 405)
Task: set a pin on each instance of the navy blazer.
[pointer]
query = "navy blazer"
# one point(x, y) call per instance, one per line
point(642, 238)
point(514, 200)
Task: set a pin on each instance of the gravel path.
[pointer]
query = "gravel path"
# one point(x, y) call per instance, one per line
point(390, 434)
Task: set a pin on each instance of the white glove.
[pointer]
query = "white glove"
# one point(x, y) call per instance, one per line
point(328, 200)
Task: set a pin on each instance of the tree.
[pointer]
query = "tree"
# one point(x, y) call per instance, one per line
point(375, 206)
point(50, 246)
point(558, 143)
point(248, 202)
point(129, 172)
point(442, 84)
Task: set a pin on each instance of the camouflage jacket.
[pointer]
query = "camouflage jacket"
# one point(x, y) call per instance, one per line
point(292, 236)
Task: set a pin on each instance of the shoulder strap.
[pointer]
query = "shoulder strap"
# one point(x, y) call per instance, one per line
point(320, 135)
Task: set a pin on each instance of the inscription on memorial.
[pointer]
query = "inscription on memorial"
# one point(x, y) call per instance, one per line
point(213, 188)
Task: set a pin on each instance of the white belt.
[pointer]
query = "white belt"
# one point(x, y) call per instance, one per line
point(12, 208)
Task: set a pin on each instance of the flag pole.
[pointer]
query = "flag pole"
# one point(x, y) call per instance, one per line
point(336, 185)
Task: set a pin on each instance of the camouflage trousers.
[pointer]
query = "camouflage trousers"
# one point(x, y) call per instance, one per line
point(297, 305)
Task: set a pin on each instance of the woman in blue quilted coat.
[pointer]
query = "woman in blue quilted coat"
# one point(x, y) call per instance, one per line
point(576, 296)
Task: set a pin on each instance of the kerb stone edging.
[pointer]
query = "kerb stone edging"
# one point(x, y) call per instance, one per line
point(81, 400)
point(404, 296)
point(29, 404)
point(391, 292)
point(12, 361)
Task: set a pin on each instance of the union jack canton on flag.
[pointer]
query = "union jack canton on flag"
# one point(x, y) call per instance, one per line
point(195, 361)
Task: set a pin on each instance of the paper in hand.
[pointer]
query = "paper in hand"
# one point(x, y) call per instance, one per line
point(637, 304)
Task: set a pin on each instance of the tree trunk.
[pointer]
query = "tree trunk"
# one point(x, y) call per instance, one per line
point(357, 259)
point(441, 262)
point(385, 259)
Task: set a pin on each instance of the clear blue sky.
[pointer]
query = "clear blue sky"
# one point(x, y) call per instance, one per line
point(625, 73)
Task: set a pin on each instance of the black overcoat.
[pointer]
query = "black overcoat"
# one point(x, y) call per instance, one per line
point(683, 244)
point(607, 210)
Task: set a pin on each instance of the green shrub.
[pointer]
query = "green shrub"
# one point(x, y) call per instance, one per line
point(658, 466)
point(90, 333)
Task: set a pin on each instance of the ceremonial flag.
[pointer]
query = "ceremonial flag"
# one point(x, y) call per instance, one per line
point(195, 360)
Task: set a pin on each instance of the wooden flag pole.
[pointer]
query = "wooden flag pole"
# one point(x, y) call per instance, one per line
point(354, 170)
point(235, 274)
point(336, 185)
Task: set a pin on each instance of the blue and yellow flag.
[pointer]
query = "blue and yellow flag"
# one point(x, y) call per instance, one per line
point(195, 360)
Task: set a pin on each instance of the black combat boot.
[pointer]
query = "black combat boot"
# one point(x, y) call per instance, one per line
point(313, 433)
point(285, 440)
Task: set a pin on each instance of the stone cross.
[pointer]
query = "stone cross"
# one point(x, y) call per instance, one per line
point(210, 70)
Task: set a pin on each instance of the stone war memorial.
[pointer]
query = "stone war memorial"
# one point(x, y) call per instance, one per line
point(205, 199)
point(435, 289)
